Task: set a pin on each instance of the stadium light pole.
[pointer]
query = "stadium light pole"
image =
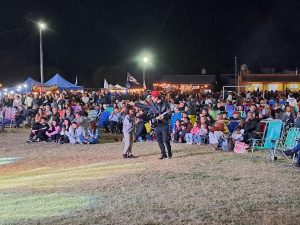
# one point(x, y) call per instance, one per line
point(42, 26)
point(145, 62)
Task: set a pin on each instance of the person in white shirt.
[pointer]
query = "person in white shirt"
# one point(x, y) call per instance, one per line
point(208, 101)
point(17, 101)
point(28, 101)
point(85, 99)
point(292, 101)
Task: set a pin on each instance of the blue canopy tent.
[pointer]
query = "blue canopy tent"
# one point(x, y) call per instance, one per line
point(28, 83)
point(22, 87)
point(62, 84)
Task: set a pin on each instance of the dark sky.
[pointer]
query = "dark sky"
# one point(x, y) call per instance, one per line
point(94, 39)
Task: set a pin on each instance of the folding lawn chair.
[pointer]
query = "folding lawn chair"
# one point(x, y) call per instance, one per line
point(232, 125)
point(93, 115)
point(193, 118)
point(229, 110)
point(174, 117)
point(290, 141)
point(272, 133)
point(9, 117)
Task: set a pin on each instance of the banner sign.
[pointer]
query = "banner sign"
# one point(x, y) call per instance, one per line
point(40, 88)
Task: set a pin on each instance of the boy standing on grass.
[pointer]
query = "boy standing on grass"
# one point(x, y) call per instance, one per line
point(128, 129)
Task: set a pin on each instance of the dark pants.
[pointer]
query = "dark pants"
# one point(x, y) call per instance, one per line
point(163, 139)
point(20, 120)
point(111, 126)
point(5, 122)
point(41, 135)
point(296, 150)
point(176, 137)
point(64, 139)
point(55, 137)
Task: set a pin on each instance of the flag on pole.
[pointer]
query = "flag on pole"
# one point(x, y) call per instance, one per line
point(127, 84)
point(131, 79)
point(144, 85)
point(105, 84)
point(76, 81)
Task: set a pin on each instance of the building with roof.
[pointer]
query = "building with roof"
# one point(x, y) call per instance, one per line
point(270, 81)
point(185, 83)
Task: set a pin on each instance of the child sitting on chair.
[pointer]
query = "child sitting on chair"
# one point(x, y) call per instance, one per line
point(238, 134)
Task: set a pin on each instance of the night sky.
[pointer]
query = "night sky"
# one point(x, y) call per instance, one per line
point(94, 39)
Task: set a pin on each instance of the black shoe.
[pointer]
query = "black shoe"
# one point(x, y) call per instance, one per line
point(288, 153)
point(125, 156)
point(170, 155)
point(162, 157)
point(131, 156)
point(29, 141)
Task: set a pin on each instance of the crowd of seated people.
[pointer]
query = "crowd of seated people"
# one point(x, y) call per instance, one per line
point(197, 118)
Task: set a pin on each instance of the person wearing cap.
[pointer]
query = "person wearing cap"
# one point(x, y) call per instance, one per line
point(128, 130)
point(158, 107)
point(235, 116)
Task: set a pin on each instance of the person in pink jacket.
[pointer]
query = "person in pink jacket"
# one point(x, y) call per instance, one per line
point(189, 137)
point(54, 131)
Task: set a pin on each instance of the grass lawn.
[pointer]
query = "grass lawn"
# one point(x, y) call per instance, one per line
point(91, 184)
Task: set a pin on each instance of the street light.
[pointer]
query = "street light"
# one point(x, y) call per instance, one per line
point(145, 62)
point(42, 26)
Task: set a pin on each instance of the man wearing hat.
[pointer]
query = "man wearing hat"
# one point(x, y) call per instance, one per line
point(159, 107)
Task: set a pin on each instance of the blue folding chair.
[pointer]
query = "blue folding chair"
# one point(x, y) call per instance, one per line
point(103, 119)
point(272, 133)
point(230, 110)
point(174, 117)
point(232, 125)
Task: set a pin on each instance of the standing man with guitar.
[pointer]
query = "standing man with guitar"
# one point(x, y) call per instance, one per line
point(160, 111)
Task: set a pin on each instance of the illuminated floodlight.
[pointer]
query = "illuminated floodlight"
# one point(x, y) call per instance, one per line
point(42, 25)
point(5, 89)
point(145, 59)
point(25, 85)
